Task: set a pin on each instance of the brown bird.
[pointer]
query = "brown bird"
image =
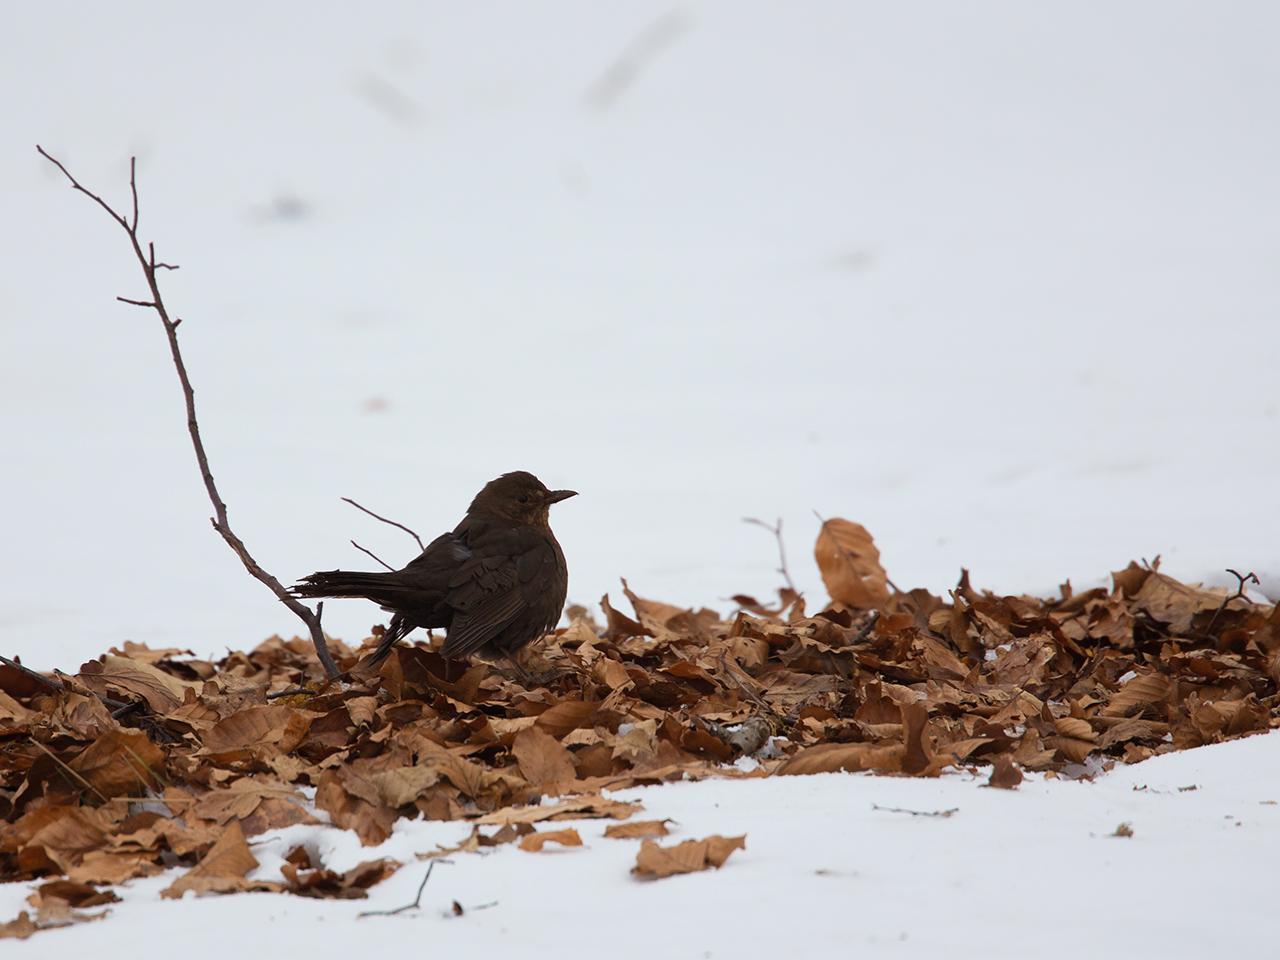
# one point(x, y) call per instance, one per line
point(496, 582)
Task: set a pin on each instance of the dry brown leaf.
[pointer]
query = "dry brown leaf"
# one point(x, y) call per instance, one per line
point(221, 870)
point(71, 893)
point(403, 785)
point(161, 691)
point(372, 822)
point(566, 716)
point(19, 928)
point(575, 808)
point(101, 866)
point(276, 726)
point(1141, 691)
point(850, 565)
point(1004, 773)
point(305, 879)
point(637, 829)
point(543, 761)
point(14, 714)
point(121, 763)
point(851, 757)
point(655, 862)
point(534, 842)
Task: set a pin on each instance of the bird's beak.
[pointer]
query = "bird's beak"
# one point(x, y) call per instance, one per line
point(555, 496)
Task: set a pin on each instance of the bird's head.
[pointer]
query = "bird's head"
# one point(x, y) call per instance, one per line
point(519, 497)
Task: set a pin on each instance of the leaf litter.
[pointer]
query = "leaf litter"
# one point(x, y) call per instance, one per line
point(203, 757)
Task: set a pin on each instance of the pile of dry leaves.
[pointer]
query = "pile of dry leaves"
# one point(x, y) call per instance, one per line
point(148, 759)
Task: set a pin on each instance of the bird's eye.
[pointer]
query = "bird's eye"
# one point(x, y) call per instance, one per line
point(524, 499)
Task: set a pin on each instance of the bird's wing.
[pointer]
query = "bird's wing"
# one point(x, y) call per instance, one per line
point(486, 592)
point(441, 556)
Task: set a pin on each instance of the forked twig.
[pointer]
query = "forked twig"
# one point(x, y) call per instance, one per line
point(219, 520)
point(776, 530)
point(421, 545)
point(1249, 577)
point(408, 906)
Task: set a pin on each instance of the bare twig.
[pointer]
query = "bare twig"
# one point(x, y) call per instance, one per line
point(220, 523)
point(370, 553)
point(1249, 577)
point(46, 682)
point(864, 631)
point(917, 813)
point(408, 906)
point(302, 691)
point(776, 530)
point(421, 545)
point(118, 707)
point(58, 762)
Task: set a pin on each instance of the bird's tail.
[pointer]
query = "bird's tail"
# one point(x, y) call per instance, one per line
point(383, 588)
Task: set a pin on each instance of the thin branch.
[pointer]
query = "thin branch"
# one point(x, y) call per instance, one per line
point(1249, 577)
point(865, 630)
point(133, 188)
point(408, 906)
point(776, 530)
point(219, 520)
point(137, 303)
point(370, 553)
point(76, 185)
point(47, 682)
point(421, 545)
point(917, 813)
point(66, 769)
point(151, 253)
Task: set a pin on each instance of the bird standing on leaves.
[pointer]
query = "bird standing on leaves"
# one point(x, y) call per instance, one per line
point(496, 582)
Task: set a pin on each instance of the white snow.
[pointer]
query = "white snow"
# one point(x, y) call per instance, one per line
point(1032, 872)
point(998, 280)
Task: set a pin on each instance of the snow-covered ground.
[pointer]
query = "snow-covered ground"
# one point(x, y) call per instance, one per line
point(1028, 873)
point(998, 280)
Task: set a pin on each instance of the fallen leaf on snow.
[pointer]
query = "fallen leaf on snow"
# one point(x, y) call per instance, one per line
point(637, 829)
point(655, 862)
point(221, 870)
point(534, 842)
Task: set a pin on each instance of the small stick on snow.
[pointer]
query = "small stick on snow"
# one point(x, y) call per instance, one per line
point(917, 813)
point(408, 906)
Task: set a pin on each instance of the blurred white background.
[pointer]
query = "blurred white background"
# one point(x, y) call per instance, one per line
point(1000, 281)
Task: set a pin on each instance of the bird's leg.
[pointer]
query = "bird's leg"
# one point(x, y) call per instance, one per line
point(527, 678)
